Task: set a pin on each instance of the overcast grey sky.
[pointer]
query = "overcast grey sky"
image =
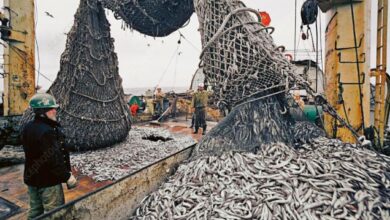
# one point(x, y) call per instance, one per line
point(143, 60)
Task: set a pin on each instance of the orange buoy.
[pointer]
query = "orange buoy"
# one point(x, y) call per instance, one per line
point(265, 18)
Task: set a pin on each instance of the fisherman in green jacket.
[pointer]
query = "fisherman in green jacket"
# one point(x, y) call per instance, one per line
point(199, 103)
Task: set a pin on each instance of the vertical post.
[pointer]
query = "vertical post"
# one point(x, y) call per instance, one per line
point(380, 72)
point(347, 67)
point(19, 56)
point(295, 31)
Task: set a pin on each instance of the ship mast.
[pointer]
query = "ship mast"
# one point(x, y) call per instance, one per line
point(18, 31)
point(347, 65)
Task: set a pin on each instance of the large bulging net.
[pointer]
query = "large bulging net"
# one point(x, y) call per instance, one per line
point(88, 88)
point(249, 76)
point(239, 56)
point(155, 18)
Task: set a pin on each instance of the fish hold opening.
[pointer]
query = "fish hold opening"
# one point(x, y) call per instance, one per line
point(156, 138)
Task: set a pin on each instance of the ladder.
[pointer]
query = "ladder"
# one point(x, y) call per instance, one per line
point(380, 71)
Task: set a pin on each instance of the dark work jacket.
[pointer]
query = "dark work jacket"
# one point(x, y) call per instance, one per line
point(47, 159)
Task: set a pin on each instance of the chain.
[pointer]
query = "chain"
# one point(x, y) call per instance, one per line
point(327, 107)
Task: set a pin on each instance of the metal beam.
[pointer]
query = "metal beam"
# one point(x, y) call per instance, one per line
point(325, 5)
point(19, 55)
point(347, 66)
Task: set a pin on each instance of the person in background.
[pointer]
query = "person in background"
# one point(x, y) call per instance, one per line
point(142, 108)
point(47, 163)
point(191, 93)
point(133, 109)
point(199, 103)
point(298, 99)
point(160, 100)
point(174, 105)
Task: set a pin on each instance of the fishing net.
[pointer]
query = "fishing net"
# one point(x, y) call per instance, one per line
point(155, 18)
point(250, 78)
point(239, 57)
point(88, 88)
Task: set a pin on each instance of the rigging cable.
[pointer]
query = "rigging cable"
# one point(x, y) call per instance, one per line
point(37, 45)
point(169, 63)
point(182, 36)
point(295, 32)
point(316, 56)
point(12, 47)
point(322, 58)
point(357, 63)
point(174, 73)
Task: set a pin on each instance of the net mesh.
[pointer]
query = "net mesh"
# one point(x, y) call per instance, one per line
point(241, 61)
point(239, 57)
point(88, 88)
point(156, 18)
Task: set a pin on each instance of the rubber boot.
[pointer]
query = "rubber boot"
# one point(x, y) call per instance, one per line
point(192, 121)
point(196, 130)
point(204, 130)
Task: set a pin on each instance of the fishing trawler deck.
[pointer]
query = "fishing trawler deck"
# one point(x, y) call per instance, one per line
point(14, 190)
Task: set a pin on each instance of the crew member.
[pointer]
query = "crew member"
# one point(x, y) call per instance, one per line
point(133, 109)
point(199, 103)
point(47, 163)
point(160, 101)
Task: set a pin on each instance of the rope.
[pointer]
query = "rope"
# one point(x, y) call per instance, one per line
point(95, 99)
point(295, 31)
point(93, 119)
point(220, 30)
point(357, 63)
point(169, 63)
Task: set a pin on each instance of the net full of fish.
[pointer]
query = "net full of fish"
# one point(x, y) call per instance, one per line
point(326, 179)
point(130, 155)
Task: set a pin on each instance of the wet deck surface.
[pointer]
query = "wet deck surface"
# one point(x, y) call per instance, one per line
point(13, 189)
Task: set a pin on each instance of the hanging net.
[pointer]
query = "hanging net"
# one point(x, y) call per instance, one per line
point(155, 18)
point(239, 57)
point(88, 88)
point(245, 68)
point(249, 76)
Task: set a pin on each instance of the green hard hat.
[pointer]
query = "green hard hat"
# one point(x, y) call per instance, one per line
point(43, 100)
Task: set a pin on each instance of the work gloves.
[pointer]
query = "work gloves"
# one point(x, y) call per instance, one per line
point(71, 182)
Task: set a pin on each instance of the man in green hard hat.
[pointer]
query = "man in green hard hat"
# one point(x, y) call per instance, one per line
point(47, 163)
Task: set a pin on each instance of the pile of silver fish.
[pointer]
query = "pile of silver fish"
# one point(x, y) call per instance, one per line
point(130, 155)
point(10, 155)
point(324, 179)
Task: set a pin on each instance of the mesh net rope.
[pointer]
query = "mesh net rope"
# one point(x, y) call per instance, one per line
point(250, 78)
point(155, 18)
point(88, 88)
point(241, 61)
